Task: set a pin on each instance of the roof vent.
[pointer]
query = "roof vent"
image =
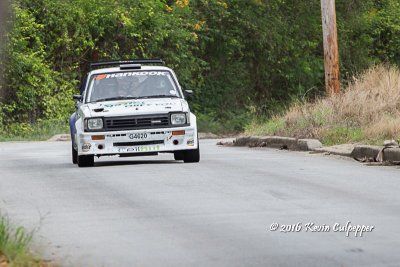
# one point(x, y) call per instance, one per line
point(130, 67)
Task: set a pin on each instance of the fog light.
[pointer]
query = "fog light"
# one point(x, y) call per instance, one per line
point(100, 147)
point(175, 142)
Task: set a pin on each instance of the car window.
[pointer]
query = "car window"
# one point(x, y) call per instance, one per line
point(134, 84)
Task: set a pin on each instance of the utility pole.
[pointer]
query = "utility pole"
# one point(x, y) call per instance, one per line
point(331, 50)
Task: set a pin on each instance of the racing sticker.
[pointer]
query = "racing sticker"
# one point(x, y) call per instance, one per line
point(86, 147)
point(136, 73)
point(129, 104)
point(140, 149)
point(100, 77)
point(162, 104)
point(190, 142)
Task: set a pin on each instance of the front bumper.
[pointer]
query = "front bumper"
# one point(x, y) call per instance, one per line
point(137, 141)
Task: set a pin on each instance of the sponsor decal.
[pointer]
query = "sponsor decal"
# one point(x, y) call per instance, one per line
point(190, 142)
point(86, 147)
point(136, 73)
point(161, 104)
point(129, 104)
point(100, 77)
point(140, 149)
point(134, 104)
point(169, 134)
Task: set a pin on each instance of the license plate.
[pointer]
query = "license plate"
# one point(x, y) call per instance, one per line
point(138, 136)
point(151, 148)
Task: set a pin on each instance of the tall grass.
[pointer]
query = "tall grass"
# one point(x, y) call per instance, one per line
point(368, 110)
point(40, 131)
point(14, 245)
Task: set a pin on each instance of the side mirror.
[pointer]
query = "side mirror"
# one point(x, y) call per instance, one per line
point(188, 94)
point(78, 99)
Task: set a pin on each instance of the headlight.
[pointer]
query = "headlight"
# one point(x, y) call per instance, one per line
point(95, 124)
point(178, 118)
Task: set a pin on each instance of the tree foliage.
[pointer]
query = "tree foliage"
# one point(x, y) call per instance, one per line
point(241, 57)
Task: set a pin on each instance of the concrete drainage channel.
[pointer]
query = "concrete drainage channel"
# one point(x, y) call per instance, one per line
point(362, 153)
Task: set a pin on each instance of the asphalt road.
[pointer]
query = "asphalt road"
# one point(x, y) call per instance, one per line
point(152, 211)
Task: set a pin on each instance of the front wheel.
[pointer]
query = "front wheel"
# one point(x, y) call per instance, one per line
point(191, 156)
point(74, 155)
point(86, 161)
point(178, 155)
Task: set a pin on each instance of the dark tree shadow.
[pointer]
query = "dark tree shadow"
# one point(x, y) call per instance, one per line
point(133, 162)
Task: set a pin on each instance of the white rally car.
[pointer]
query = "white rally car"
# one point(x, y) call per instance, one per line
point(132, 108)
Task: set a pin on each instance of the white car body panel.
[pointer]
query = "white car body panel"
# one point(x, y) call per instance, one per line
point(137, 141)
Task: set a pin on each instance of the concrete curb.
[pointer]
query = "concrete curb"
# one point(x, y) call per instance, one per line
point(343, 150)
point(359, 152)
point(60, 137)
point(391, 154)
point(364, 151)
point(279, 142)
point(376, 153)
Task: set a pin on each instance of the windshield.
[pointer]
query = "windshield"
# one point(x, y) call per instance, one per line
point(131, 85)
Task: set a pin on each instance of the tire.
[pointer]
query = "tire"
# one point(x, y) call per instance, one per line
point(192, 156)
point(74, 155)
point(86, 161)
point(178, 155)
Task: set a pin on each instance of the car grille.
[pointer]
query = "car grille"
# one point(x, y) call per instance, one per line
point(137, 122)
point(140, 143)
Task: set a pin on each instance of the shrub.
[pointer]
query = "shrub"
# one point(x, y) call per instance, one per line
point(368, 110)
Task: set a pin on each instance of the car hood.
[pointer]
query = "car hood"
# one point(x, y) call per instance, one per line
point(137, 107)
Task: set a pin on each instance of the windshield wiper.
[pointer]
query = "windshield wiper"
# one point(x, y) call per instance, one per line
point(114, 98)
point(159, 96)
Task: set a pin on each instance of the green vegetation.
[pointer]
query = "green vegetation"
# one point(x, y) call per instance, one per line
point(245, 60)
point(342, 135)
point(368, 111)
point(40, 131)
point(14, 246)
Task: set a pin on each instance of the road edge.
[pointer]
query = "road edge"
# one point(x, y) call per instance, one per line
point(363, 153)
